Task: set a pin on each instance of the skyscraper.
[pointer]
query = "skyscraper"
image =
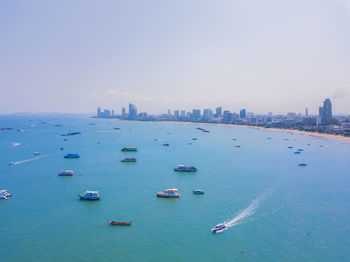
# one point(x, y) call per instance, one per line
point(99, 112)
point(123, 112)
point(132, 112)
point(306, 112)
point(325, 112)
point(219, 112)
point(176, 113)
point(196, 114)
point(207, 114)
point(243, 113)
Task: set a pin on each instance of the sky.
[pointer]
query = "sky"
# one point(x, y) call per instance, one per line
point(266, 56)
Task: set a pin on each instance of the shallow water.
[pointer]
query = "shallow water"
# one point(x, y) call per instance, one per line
point(276, 210)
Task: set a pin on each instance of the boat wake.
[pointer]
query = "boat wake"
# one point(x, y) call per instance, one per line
point(28, 160)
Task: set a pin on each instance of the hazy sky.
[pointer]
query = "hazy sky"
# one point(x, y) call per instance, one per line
point(267, 56)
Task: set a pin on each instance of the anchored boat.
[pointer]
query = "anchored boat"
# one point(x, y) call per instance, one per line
point(129, 149)
point(66, 173)
point(182, 168)
point(128, 159)
point(169, 193)
point(90, 195)
point(119, 223)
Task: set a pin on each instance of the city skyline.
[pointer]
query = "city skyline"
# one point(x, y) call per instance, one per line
point(271, 56)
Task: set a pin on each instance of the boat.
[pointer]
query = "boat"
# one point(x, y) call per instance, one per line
point(90, 195)
point(169, 193)
point(237, 146)
point(72, 156)
point(166, 145)
point(182, 168)
point(72, 134)
point(290, 147)
point(300, 150)
point(66, 173)
point(297, 152)
point(129, 149)
point(202, 129)
point(218, 228)
point(6, 128)
point(117, 128)
point(198, 192)
point(194, 138)
point(302, 164)
point(119, 223)
point(36, 153)
point(61, 148)
point(4, 194)
point(128, 159)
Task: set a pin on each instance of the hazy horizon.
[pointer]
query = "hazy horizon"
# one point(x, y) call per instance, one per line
point(270, 56)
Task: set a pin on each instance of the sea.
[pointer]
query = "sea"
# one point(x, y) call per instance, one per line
point(273, 209)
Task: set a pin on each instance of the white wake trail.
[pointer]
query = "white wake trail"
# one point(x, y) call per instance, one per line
point(28, 160)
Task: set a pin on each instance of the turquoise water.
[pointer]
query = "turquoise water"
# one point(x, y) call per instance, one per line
point(278, 210)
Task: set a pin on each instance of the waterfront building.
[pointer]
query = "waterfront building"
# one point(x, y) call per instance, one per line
point(226, 116)
point(132, 112)
point(325, 112)
point(207, 114)
point(218, 112)
point(196, 114)
point(106, 113)
point(243, 113)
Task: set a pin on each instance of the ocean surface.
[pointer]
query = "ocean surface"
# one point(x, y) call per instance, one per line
point(274, 209)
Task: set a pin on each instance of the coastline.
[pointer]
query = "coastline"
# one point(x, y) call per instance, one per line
point(343, 138)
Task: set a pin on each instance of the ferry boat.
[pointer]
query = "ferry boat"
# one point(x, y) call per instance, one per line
point(128, 159)
point(119, 223)
point(90, 195)
point(66, 173)
point(169, 193)
point(129, 149)
point(182, 168)
point(198, 192)
point(218, 228)
point(72, 156)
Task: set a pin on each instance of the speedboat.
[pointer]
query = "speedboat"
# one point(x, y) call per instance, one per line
point(90, 195)
point(218, 228)
point(198, 192)
point(66, 173)
point(182, 168)
point(119, 223)
point(128, 159)
point(4, 194)
point(169, 193)
point(129, 149)
point(72, 156)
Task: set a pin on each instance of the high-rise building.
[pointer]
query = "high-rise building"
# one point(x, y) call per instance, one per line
point(123, 112)
point(196, 114)
point(218, 112)
point(183, 113)
point(325, 112)
point(99, 112)
point(243, 113)
point(227, 116)
point(132, 112)
point(176, 113)
point(106, 113)
point(306, 112)
point(169, 112)
point(207, 114)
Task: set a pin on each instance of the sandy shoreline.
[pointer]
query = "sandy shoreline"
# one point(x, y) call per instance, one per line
point(272, 129)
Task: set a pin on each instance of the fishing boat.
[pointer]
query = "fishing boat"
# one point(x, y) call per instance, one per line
point(128, 159)
point(72, 156)
point(182, 168)
point(198, 192)
point(119, 223)
point(218, 228)
point(90, 195)
point(133, 149)
point(66, 173)
point(169, 193)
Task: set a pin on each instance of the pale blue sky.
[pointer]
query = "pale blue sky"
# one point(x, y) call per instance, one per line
point(267, 56)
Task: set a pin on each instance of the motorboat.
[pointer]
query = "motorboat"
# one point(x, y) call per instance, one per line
point(4, 194)
point(90, 195)
point(218, 228)
point(129, 149)
point(72, 156)
point(169, 193)
point(302, 164)
point(119, 223)
point(182, 168)
point(36, 153)
point(128, 159)
point(198, 192)
point(66, 173)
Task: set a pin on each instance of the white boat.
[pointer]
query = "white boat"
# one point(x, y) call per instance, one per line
point(66, 173)
point(218, 228)
point(90, 195)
